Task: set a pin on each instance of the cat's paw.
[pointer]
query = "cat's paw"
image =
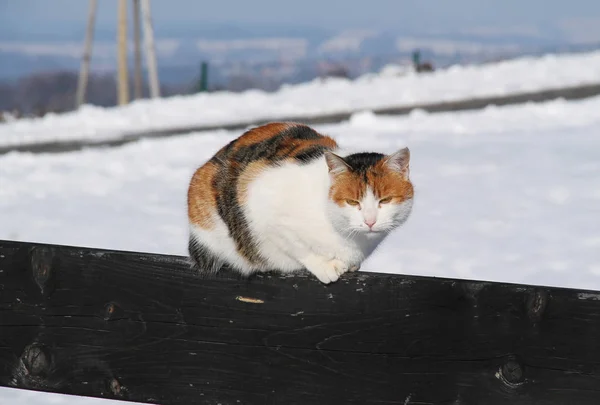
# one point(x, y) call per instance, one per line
point(328, 271)
point(340, 266)
point(354, 267)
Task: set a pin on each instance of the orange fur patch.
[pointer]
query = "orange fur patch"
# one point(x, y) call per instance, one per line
point(247, 177)
point(294, 147)
point(383, 181)
point(288, 148)
point(389, 183)
point(261, 134)
point(202, 196)
point(347, 186)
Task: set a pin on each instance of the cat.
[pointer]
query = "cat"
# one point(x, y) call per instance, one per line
point(281, 197)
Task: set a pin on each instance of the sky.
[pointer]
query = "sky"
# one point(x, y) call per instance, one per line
point(19, 16)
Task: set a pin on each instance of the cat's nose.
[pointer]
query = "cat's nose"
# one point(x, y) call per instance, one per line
point(370, 222)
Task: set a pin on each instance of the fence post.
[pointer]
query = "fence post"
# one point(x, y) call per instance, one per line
point(203, 84)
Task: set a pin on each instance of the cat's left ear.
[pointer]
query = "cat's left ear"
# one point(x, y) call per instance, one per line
point(336, 164)
point(399, 161)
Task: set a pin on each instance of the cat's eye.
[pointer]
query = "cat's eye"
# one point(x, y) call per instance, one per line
point(354, 203)
point(385, 200)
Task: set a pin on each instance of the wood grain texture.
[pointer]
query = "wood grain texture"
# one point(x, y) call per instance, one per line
point(143, 327)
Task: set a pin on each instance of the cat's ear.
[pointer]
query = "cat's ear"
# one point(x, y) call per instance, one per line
point(399, 161)
point(336, 164)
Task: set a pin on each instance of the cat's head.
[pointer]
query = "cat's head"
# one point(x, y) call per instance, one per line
point(371, 192)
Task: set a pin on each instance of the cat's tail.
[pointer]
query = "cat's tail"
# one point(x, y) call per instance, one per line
point(203, 260)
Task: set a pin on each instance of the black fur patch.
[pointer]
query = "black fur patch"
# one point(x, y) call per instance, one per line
point(204, 260)
point(360, 163)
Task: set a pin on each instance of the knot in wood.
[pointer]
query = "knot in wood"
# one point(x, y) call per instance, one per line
point(512, 372)
point(36, 360)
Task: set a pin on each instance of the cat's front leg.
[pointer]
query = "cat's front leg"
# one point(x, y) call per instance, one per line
point(326, 270)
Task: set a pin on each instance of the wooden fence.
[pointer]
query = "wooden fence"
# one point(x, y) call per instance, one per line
point(144, 327)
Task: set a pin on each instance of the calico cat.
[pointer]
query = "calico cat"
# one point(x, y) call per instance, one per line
point(281, 197)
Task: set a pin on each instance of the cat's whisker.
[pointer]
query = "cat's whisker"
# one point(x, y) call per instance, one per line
point(351, 232)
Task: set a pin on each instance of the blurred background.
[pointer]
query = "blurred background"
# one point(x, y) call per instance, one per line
point(266, 43)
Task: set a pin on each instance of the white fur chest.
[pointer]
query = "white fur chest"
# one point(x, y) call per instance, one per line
point(290, 214)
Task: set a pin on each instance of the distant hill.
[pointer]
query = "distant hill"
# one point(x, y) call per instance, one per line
point(239, 56)
point(181, 47)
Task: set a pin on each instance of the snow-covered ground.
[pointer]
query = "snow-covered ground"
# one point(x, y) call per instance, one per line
point(505, 194)
point(316, 97)
point(9, 396)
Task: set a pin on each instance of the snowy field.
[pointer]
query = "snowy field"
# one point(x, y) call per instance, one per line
point(507, 194)
point(316, 97)
point(504, 194)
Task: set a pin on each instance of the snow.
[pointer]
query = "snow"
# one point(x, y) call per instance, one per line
point(316, 97)
point(24, 397)
point(506, 194)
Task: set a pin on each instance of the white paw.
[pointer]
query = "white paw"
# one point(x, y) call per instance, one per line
point(339, 266)
point(329, 271)
point(355, 267)
point(324, 277)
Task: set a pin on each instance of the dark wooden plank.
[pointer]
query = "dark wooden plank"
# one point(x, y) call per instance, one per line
point(144, 327)
point(61, 146)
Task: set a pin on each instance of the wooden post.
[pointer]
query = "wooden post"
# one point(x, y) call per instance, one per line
point(87, 55)
point(137, 78)
point(149, 49)
point(147, 328)
point(123, 76)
